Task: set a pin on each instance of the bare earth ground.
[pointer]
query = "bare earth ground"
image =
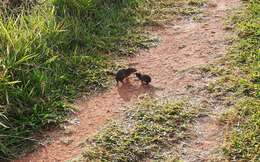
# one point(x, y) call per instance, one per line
point(186, 44)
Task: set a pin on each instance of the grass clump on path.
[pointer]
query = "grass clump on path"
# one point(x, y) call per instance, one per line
point(243, 142)
point(147, 129)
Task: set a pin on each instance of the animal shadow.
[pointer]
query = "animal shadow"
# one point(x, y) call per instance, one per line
point(127, 90)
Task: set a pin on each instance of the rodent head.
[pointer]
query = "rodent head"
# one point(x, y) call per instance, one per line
point(131, 70)
point(138, 75)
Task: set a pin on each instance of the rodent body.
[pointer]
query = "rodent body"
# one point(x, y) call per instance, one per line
point(124, 73)
point(145, 79)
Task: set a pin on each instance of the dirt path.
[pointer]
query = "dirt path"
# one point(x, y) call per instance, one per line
point(185, 44)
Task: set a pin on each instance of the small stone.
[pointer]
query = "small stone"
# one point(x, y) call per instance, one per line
point(182, 46)
point(74, 121)
point(202, 115)
point(68, 132)
point(66, 141)
point(228, 27)
point(212, 4)
point(179, 18)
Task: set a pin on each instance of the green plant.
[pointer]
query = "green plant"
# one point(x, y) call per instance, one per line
point(244, 141)
point(147, 129)
point(197, 2)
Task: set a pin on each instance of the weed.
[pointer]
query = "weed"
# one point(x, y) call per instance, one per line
point(189, 11)
point(197, 2)
point(147, 129)
point(243, 142)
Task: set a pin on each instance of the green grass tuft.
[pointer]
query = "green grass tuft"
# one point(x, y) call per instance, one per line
point(148, 129)
point(243, 142)
point(197, 2)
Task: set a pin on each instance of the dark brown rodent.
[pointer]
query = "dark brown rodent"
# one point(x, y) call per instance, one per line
point(124, 73)
point(146, 79)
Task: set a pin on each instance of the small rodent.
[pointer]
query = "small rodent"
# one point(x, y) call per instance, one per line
point(124, 73)
point(145, 79)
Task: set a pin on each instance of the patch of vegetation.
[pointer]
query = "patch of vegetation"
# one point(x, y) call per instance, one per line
point(144, 133)
point(189, 11)
point(242, 143)
point(51, 51)
point(161, 11)
point(197, 2)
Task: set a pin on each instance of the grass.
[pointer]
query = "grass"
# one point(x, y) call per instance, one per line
point(197, 2)
point(242, 144)
point(241, 79)
point(51, 51)
point(146, 131)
